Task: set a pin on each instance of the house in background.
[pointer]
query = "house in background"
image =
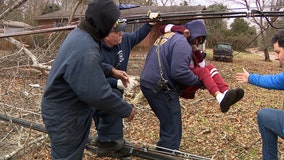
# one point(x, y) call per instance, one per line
point(60, 18)
point(7, 27)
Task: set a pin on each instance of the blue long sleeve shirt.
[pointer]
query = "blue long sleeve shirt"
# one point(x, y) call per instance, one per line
point(271, 81)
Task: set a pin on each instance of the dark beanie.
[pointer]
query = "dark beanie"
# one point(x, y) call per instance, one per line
point(102, 15)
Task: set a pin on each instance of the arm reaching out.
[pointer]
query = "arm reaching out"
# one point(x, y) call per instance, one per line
point(242, 77)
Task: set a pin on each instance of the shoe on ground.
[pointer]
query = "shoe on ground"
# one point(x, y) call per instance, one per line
point(113, 149)
point(228, 100)
point(239, 94)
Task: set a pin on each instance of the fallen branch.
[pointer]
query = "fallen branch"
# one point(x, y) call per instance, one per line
point(43, 68)
point(135, 150)
point(24, 123)
point(35, 141)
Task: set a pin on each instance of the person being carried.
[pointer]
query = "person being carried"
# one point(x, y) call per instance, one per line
point(270, 121)
point(208, 74)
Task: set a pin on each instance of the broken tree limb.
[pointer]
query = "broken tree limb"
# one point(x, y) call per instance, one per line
point(42, 67)
point(35, 141)
point(24, 123)
point(55, 29)
point(135, 150)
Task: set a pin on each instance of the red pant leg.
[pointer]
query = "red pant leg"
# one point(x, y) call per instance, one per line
point(204, 75)
point(222, 85)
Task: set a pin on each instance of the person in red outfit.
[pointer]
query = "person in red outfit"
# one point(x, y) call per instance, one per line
point(208, 74)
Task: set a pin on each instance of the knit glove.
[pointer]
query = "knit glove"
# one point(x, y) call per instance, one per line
point(172, 28)
point(120, 85)
point(132, 84)
point(152, 15)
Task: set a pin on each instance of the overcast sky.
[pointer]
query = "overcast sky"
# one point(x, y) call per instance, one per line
point(227, 3)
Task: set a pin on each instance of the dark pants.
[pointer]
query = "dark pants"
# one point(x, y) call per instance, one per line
point(68, 133)
point(167, 108)
point(108, 127)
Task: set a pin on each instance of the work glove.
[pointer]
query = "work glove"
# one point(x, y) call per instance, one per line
point(133, 82)
point(120, 85)
point(152, 15)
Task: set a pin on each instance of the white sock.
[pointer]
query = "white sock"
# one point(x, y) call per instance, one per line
point(220, 97)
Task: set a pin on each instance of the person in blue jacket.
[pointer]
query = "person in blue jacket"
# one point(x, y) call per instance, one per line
point(270, 121)
point(166, 71)
point(116, 49)
point(76, 85)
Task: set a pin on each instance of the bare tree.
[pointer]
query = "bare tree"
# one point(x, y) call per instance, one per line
point(263, 25)
point(69, 4)
point(53, 42)
point(11, 8)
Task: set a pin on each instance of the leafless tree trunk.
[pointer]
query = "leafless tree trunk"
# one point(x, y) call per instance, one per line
point(12, 8)
point(273, 5)
point(78, 2)
point(260, 6)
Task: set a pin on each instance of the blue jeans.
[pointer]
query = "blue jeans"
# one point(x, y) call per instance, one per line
point(270, 122)
point(167, 108)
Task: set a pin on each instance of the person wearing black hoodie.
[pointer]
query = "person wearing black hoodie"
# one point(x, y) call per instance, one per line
point(76, 86)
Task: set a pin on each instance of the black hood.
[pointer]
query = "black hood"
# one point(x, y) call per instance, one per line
point(102, 15)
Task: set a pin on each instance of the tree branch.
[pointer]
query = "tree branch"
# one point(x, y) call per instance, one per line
point(43, 68)
point(35, 141)
point(10, 9)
